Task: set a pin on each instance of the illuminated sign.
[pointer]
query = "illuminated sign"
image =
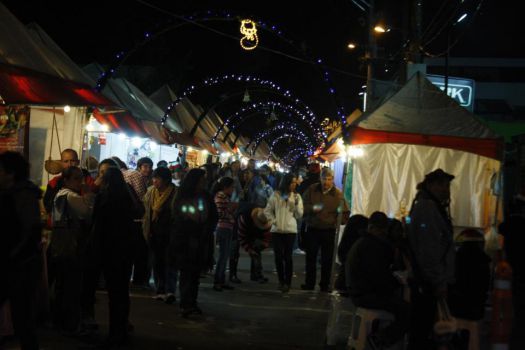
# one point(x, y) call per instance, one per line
point(460, 89)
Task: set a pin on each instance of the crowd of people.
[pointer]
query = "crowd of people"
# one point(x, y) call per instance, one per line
point(127, 226)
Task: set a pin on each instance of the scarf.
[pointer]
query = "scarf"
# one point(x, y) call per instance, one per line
point(158, 200)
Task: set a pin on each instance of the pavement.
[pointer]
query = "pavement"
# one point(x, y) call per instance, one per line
point(253, 316)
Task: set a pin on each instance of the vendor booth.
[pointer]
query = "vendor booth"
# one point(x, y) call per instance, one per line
point(417, 130)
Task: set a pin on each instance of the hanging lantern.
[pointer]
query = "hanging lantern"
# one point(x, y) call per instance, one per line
point(246, 97)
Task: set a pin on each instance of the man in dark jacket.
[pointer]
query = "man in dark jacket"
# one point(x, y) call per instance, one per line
point(20, 253)
point(372, 284)
point(430, 236)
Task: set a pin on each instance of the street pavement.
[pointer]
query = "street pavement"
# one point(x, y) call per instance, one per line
point(253, 316)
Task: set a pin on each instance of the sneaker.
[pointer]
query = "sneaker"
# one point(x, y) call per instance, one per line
point(170, 299)
point(306, 287)
point(299, 252)
point(160, 297)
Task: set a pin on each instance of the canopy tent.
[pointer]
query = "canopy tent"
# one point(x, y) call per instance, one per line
point(139, 115)
point(35, 72)
point(418, 129)
point(187, 114)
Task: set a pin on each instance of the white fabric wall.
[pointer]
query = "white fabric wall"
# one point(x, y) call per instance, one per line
point(70, 128)
point(389, 173)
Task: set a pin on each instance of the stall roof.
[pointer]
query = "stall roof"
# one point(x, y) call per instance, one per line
point(33, 70)
point(420, 113)
point(19, 85)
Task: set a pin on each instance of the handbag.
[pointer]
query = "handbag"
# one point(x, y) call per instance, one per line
point(446, 326)
point(65, 235)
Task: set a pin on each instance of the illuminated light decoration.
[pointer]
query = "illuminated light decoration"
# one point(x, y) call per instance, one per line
point(290, 110)
point(67, 109)
point(250, 40)
point(148, 36)
point(284, 127)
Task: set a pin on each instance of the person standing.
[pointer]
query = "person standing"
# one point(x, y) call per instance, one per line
point(115, 241)
point(283, 210)
point(430, 237)
point(139, 180)
point(224, 231)
point(253, 229)
point(159, 202)
point(193, 222)
point(68, 157)
point(69, 269)
point(20, 248)
point(321, 207)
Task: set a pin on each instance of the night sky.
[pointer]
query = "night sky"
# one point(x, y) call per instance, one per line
point(96, 30)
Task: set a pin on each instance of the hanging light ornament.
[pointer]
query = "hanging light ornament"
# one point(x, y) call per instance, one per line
point(250, 40)
point(246, 97)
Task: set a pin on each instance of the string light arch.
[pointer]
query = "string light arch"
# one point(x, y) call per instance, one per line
point(202, 17)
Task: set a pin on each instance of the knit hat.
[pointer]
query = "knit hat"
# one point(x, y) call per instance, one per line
point(470, 235)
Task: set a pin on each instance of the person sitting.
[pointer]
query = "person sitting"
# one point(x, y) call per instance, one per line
point(372, 284)
point(354, 229)
point(468, 294)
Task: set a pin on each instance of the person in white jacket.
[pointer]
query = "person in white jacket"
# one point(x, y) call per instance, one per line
point(283, 209)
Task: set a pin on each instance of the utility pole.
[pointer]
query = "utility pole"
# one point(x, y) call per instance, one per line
point(370, 56)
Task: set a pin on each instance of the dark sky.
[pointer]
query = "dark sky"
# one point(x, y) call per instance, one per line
point(96, 30)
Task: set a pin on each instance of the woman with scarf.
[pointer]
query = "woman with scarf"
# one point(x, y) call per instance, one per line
point(193, 222)
point(158, 202)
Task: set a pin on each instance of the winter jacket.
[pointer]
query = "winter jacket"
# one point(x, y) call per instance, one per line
point(283, 212)
point(78, 207)
point(162, 226)
point(329, 202)
point(430, 237)
point(368, 267)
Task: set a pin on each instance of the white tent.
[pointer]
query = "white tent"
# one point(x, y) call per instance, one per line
point(417, 130)
point(30, 55)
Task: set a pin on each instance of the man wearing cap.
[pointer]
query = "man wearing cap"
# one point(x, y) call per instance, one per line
point(321, 207)
point(430, 236)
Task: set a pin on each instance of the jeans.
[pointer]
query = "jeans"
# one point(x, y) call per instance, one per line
point(319, 239)
point(282, 247)
point(165, 277)
point(224, 240)
point(256, 267)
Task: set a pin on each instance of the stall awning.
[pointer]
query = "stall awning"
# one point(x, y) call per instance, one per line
point(487, 147)
point(121, 122)
point(20, 85)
